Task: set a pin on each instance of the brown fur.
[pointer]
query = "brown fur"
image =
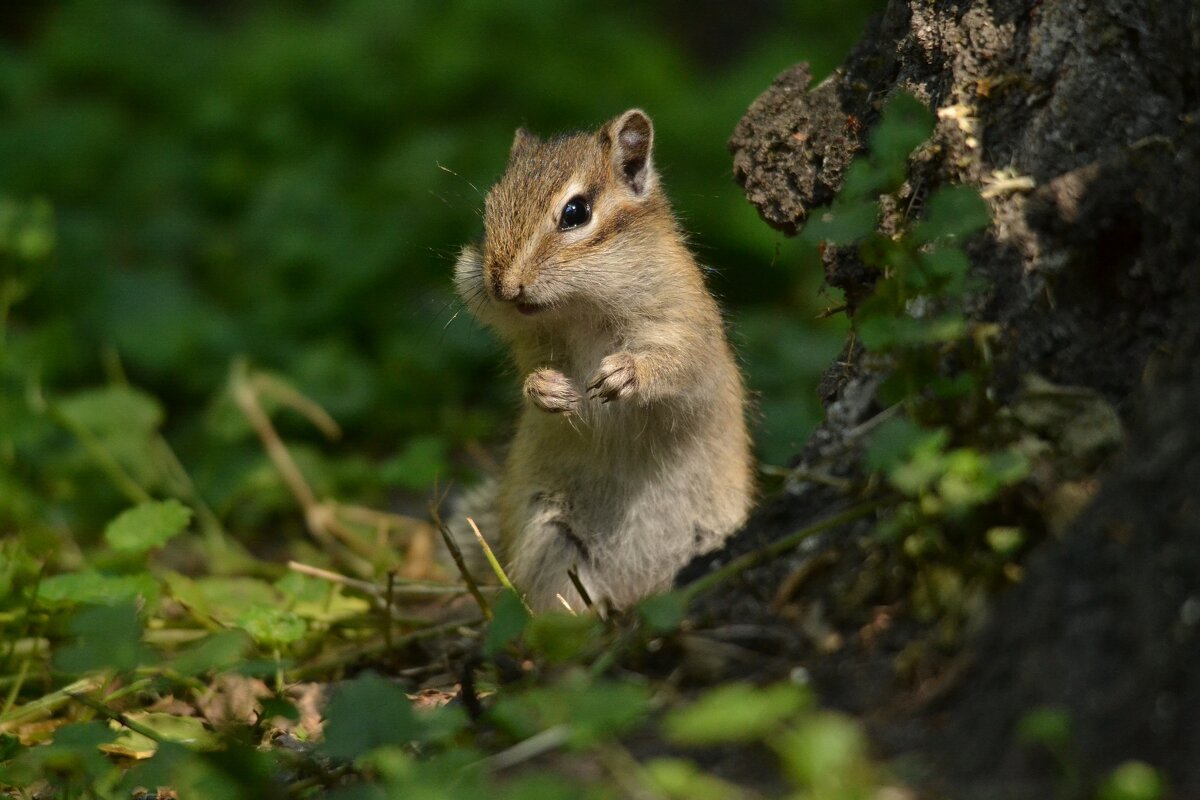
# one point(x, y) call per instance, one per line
point(631, 455)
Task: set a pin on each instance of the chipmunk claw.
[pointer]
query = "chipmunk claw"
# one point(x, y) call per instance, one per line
point(551, 391)
point(616, 378)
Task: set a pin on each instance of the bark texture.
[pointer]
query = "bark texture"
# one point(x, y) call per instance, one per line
point(1079, 120)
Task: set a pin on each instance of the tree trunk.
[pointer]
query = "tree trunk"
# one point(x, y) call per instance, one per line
point(1091, 269)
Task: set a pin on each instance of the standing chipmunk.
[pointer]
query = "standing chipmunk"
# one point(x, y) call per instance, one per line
point(631, 455)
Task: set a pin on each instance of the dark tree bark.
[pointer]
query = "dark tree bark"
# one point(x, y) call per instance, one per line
point(1093, 273)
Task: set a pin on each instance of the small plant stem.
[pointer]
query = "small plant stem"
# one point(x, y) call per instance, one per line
point(754, 557)
point(501, 575)
point(116, 716)
point(573, 574)
point(46, 705)
point(542, 742)
point(321, 666)
point(318, 517)
point(15, 689)
point(457, 556)
point(133, 491)
point(131, 688)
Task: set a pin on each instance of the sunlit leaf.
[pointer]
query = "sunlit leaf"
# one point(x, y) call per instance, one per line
point(1134, 780)
point(273, 627)
point(736, 712)
point(147, 526)
point(90, 586)
point(683, 780)
point(825, 752)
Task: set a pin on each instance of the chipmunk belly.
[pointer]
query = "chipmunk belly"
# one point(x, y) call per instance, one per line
point(623, 493)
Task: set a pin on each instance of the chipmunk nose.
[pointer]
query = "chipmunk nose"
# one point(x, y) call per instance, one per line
point(507, 290)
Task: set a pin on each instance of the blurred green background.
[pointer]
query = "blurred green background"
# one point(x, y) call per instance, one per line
point(184, 183)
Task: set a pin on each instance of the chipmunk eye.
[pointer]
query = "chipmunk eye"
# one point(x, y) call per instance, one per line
point(575, 213)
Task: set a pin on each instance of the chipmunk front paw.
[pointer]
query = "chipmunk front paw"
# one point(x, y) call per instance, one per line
point(551, 391)
point(616, 378)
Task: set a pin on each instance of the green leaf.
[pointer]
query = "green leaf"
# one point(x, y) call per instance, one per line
point(844, 223)
point(416, 467)
point(72, 757)
point(663, 613)
point(113, 410)
point(1004, 540)
point(897, 439)
point(681, 779)
point(1046, 726)
point(601, 709)
point(509, 619)
point(147, 526)
point(225, 599)
point(905, 124)
point(189, 731)
point(97, 588)
point(560, 636)
point(1134, 780)
point(106, 637)
point(737, 712)
point(214, 652)
point(952, 211)
point(880, 334)
point(367, 713)
point(272, 627)
point(827, 753)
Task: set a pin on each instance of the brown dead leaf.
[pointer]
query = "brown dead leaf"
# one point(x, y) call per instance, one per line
point(232, 699)
point(308, 698)
point(433, 698)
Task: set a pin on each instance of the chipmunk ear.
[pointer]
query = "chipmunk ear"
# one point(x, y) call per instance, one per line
point(522, 140)
point(633, 140)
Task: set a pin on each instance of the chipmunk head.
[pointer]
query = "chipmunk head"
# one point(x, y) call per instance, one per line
point(570, 216)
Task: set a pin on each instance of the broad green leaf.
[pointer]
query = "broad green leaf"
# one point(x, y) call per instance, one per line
point(1005, 540)
point(880, 334)
point(603, 709)
point(905, 124)
point(215, 652)
point(592, 709)
point(223, 599)
point(72, 757)
point(1046, 726)
point(367, 713)
point(272, 627)
point(897, 439)
point(683, 780)
point(113, 410)
point(106, 637)
point(952, 211)
point(560, 636)
point(509, 619)
point(1134, 780)
point(188, 731)
point(825, 752)
point(418, 465)
point(663, 613)
point(844, 223)
point(97, 588)
point(736, 712)
point(147, 526)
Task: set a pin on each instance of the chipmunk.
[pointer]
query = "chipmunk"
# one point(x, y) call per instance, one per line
point(631, 455)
